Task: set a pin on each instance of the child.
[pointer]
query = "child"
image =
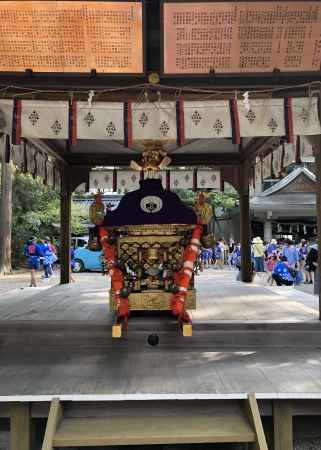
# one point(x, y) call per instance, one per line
point(270, 263)
point(33, 255)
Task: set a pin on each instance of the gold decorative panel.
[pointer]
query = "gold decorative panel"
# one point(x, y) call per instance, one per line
point(153, 300)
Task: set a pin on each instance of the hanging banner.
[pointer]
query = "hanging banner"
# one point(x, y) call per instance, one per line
point(6, 115)
point(57, 178)
point(31, 162)
point(305, 116)
point(277, 161)
point(44, 119)
point(240, 36)
point(17, 156)
point(258, 176)
point(41, 165)
point(207, 119)
point(127, 180)
point(266, 167)
point(102, 180)
point(155, 121)
point(289, 155)
point(306, 150)
point(71, 36)
point(209, 179)
point(100, 121)
point(50, 173)
point(264, 118)
point(181, 179)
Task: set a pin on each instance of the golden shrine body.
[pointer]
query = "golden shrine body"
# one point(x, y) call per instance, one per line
point(154, 252)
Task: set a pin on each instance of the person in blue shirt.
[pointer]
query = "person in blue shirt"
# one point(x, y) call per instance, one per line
point(283, 274)
point(218, 255)
point(272, 247)
point(291, 253)
point(31, 251)
point(47, 260)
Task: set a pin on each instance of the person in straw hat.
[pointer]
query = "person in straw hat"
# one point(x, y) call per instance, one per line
point(258, 254)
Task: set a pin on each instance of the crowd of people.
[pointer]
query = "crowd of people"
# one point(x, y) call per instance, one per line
point(40, 252)
point(284, 262)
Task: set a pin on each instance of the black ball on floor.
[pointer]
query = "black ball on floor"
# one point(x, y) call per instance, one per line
point(153, 339)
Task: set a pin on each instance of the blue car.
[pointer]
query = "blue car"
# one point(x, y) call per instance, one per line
point(86, 259)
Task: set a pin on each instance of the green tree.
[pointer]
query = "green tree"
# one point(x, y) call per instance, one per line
point(36, 212)
point(221, 199)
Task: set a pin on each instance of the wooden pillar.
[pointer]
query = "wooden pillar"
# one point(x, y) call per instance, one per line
point(65, 226)
point(21, 436)
point(245, 223)
point(283, 426)
point(5, 211)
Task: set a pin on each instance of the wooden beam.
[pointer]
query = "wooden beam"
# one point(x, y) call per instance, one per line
point(255, 419)
point(196, 159)
point(283, 426)
point(245, 224)
point(20, 427)
point(65, 226)
point(54, 419)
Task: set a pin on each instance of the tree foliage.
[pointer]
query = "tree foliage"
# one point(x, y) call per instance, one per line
point(216, 199)
point(36, 212)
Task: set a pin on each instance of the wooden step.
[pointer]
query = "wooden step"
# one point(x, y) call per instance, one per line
point(181, 423)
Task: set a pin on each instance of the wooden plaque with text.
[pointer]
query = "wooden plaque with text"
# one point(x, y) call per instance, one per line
point(71, 36)
point(241, 37)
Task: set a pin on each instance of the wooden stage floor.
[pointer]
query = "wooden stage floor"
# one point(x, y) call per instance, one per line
point(246, 338)
point(219, 297)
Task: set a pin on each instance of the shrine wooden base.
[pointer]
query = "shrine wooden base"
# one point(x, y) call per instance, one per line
point(156, 300)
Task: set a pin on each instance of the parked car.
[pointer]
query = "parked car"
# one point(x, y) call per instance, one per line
point(86, 259)
point(79, 241)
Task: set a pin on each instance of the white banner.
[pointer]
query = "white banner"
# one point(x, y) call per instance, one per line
point(289, 154)
point(264, 118)
point(50, 173)
point(101, 121)
point(6, 115)
point(102, 180)
point(306, 150)
point(181, 179)
point(266, 167)
point(277, 161)
point(258, 176)
point(31, 163)
point(209, 179)
point(44, 119)
point(17, 156)
point(154, 121)
point(57, 176)
point(128, 180)
point(305, 116)
point(207, 120)
point(41, 165)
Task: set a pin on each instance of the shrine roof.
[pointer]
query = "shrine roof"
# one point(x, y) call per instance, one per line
point(288, 180)
point(289, 194)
